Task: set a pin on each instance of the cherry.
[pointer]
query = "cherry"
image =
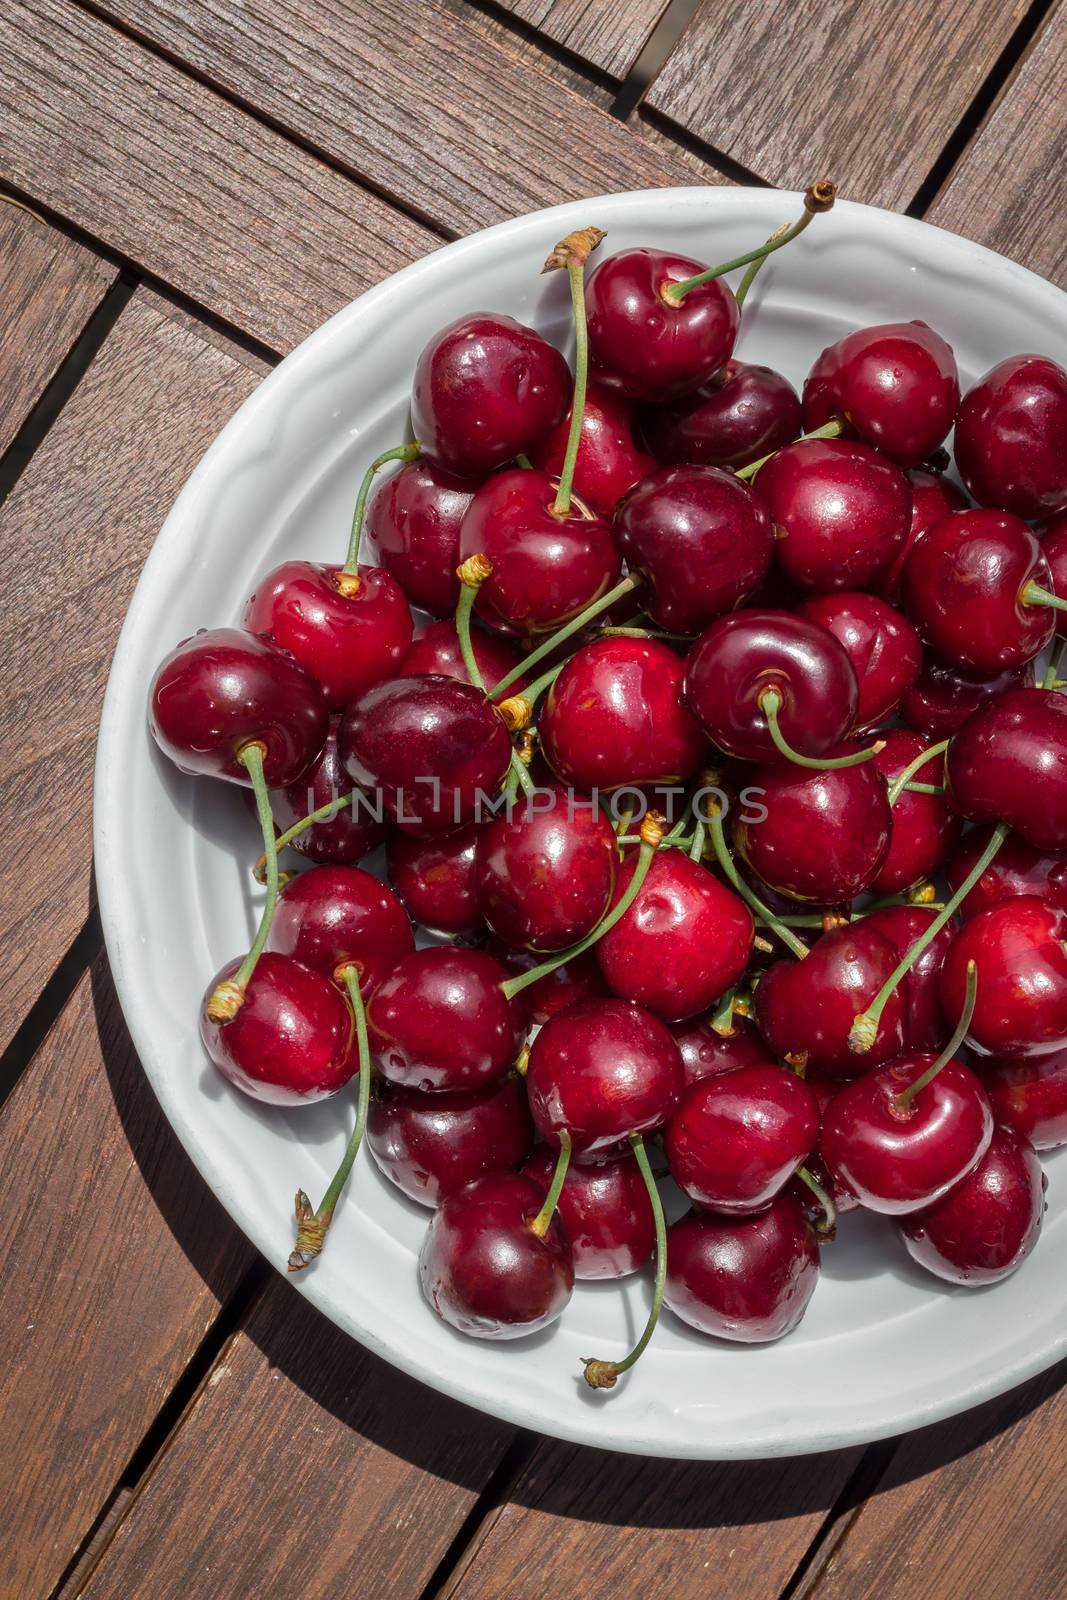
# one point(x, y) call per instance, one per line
point(741, 415)
point(1019, 950)
point(441, 1020)
point(609, 462)
point(925, 1027)
point(701, 538)
point(1008, 763)
point(883, 647)
point(437, 650)
point(944, 696)
point(976, 585)
point(747, 1279)
point(1011, 437)
point(684, 942)
point(432, 1144)
point(706, 1052)
point(933, 496)
point(483, 1266)
point(925, 829)
point(350, 834)
point(737, 1138)
point(486, 389)
point(292, 1040)
point(895, 385)
point(841, 512)
point(430, 744)
point(805, 1009)
point(1054, 550)
point(614, 716)
point(336, 917)
point(435, 878)
point(577, 979)
point(987, 1226)
point(1030, 1096)
point(605, 1211)
point(545, 874)
point(412, 528)
point(1016, 869)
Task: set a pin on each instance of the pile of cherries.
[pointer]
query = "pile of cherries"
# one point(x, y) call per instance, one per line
point(718, 679)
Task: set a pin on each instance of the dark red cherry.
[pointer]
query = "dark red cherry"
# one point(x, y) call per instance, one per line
point(896, 386)
point(742, 414)
point(347, 837)
point(641, 344)
point(1008, 763)
point(431, 745)
point(431, 1144)
point(436, 650)
point(545, 874)
point(898, 1157)
point(933, 496)
point(609, 462)
point(988, 1225)
point(925, 828)
point(548, 565)
point(705, 1053)
point(605, 1211)
point(1011, 437)
point(223, 689)
point(1054, 550)
point(826, 835)
point(614, 716)
point(1017, 868)
point(964, 588)
point(841, 512)
point(482, 1267)
point(742, 656)
point(1020, 951)
point(576, 980)
point(486, 389)
point(293, 1039)
point(883, 647)
point(747, 1279)
point(435, 879)
point(925, 1027)
point(1029, 1095)
point(944, 696)
point(683, 943)
point(333, 917)
point(701, 538)
point(737, 1138)
point(441, 1020)
point(805, 1009)
point(412, 530)
point(601, 1071)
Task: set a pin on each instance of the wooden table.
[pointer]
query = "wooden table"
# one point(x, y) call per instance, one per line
point(206, 181)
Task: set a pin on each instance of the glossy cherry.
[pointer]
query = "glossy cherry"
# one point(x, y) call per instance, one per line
point(1011, 437)
point(925, 828)
point(883, 647)
point(436, 650)
point(705, 1052)
point(1029, 1094)
point(1020, 952)
point(737, 1138)
point(609, 461)
point(1008, 763)
point(441, 1020)
point(933, 496)
point(412, 530)
point(741, 415)
point(826, 835)
point(346, 837)
point(1017, 868)
point(546, 873)
point(925, 1027)
point(430, 1144)
point(805, 1009)
point(895, 385)
point(435, 878)
point(576, 980)
point(605, 1212)
point(333, 917)
point(944, 696)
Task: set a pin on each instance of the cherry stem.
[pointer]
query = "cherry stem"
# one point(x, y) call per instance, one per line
point(749, 896)
point(769, 702)
point(722, 1018)
point(540, 1223)
point(603, 1374)
point(228, 997)
point(829, 430)
point(902, 1101)
point(322, 813)
point(472, 573)
point(1033, 594)
point(903, 779)
point(1055, 668)
point(522, 778)
point(749, 278)
point(825, 1229)
point(696, 849)
point(311, 1225)
point(624, 586)
point(820, 197)
point(402, 452)
point(925, 788)
point(562, 503)
point(865, 1027)
point(524, 462)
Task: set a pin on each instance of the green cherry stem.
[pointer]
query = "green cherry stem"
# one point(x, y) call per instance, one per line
point(903, 779)
point(576, 624)
point(829, 430)
point(820, 197)
point(323, 813)
point(826, 1228)
point(228, 998)
point(902, 1101)
point(540, 1223)
point(402, 452)
point(749, 896)
point(603, 1374)
point(770, 703)
point(572, 253)
point(1032, 594)
point(722, 1018)
point(471, 573)
point(696, 849)
point(1055, 668)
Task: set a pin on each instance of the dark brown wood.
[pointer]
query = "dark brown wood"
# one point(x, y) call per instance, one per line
point(609, 33)
point(306, 1469)
point(116, 1260)
point(49, 288)
point(863, 91)
point(73, 535)
point(1009, 188)
point(532, 52)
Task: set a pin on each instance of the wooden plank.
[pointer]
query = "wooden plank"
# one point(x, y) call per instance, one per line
point(600, 1525)
point(1009, 187)
point(306, 1468)
point(163, 171)
point(969, 1510)
point(609, 33)
point(116, 1260)
point(73, 535)
point(532, 52)
point(407, 96)
point(49, 288)
point(864, 91)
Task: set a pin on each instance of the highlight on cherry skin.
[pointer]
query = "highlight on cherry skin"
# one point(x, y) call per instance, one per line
point(662, 796)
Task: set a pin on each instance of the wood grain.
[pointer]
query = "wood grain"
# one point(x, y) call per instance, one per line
point(73, 535)
point(1009, 189)
point(608, 33)
point(864, 91)
point(116, 1261)
point(532, 52)
point(306, 1469)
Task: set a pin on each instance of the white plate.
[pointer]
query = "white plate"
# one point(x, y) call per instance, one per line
point(883, 1348)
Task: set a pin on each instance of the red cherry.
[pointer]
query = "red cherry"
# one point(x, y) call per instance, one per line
point(933, 496)
point(925, 829)
point(944, 697)
point(545, 874)
point(605, 1211)
point(224, 689)
point(412, 529)
point(742, 414)
point(987, 1226)
point(1030, 1096)
point(1011, 437)
point(335, 917)
point(436, 650)
point(895, 385)
point(486, 389)
point(826, 835)
point(883, 647)
point(925, 1027)
point(482, 1267)
point(747, 1279)
point(1017, 868)
point(432, 1144)
point(609, 462)
point(1054, 550)
point(577, 979)
point(293, 1039)
point(805, 1009)
point(701, 538)
point(347, 837)
point(705, 1052)
point(1008, 763)
point(737, 1138)
point(435, 879)
point(441, 1020)
point(1020, 952)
